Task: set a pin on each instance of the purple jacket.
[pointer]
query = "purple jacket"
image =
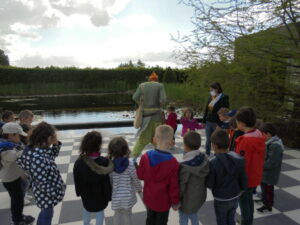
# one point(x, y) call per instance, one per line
point(188, 125)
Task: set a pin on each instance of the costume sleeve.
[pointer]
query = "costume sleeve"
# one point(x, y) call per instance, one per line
point(135, 181)
point(210, 179)
point(137, 94)
point(274, 157)
point(162, 96)
point(174, 193)
point(141, 168)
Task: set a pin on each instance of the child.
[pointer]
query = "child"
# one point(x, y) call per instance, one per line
point(159, 171)
point(125, 181)
point(227, 178)
point(272, 166)
point(91, 178)
point(251, 146)
point(12, 175)
point(224, 119)
point(38, 159)
point(172, 119)
point(188, 123)
point(192, 173)
point(7, 116)
point(26, 118)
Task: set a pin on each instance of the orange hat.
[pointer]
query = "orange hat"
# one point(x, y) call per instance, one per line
point(153, 77)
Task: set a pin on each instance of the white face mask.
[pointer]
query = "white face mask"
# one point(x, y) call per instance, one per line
point(213, 93)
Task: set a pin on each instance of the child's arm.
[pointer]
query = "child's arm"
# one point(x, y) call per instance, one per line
point(274, 157)
point(183, 179)
point(174, 192)
point(243, 180)
point(77, 180)
point(134, 180)
point(56, 148)
point(141, 168)
point(210, 179)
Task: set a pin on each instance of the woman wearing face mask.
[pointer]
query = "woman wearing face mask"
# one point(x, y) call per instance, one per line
point(211, 119)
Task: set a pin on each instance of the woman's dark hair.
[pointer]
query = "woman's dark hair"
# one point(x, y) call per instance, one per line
point(40, 135)
point(268, 128)
point(90, 143)
point(217, 86)
point(188, 110)
point(117, 148)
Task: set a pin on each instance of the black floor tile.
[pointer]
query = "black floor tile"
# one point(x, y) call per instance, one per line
point(279, 219)
point(71, 211)
point(285, 202)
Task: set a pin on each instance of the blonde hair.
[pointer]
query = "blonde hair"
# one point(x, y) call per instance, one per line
point(25, 114)
point(164, 133)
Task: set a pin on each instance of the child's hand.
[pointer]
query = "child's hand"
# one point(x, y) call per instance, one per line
point(176, 207)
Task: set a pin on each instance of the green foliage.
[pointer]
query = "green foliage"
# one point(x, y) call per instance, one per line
point(4, 61)
point(169, 76)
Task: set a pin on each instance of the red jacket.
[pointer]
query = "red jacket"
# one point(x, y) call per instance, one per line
point(172, 120)
point(159, 170)
point(252, 147)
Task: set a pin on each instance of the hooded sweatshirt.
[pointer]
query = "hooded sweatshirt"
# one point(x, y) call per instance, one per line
point(9, 152)
point(125, 184)
point(92, 183)
point(47, 184)
point(159, 171)
point(227, 177)
point(252, 147)
point(192, 174)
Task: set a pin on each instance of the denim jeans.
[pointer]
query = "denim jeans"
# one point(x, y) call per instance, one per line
point(16, 194)
point(209, 129)
point(225, 211)
point(184, 218)
point(247, 207)
point(87, 217)
point(45, 217)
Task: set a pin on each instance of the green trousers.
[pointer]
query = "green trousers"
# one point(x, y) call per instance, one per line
point(145, 138)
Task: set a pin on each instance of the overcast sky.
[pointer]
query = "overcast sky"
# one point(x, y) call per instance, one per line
point(91, 33)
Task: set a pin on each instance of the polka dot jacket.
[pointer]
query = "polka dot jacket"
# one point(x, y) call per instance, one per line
point(47, 184)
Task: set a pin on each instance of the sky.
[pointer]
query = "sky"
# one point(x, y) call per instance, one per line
point(91, 33)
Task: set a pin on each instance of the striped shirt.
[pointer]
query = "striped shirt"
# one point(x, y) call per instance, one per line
point(125, 185)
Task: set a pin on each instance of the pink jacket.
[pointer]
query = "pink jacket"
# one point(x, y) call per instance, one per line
point(188, 125)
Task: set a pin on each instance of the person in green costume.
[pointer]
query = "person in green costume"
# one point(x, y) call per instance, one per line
point(154, 97)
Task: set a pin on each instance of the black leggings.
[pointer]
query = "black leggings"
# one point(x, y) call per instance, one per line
point(16, 193)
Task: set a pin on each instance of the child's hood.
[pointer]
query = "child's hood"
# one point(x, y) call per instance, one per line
point(99, 169)
point(198, 165)
point(159, 164)
point(121, 164)
point(229, 162)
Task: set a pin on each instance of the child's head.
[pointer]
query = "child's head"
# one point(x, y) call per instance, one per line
point(268, 129)
point(222, 114)
point(191, 141)
point(43, 135)
point(26, 117)
point(220, 141)
point(12, 132)
point(118, 148)
point(245, 118)
point(163, 136)
point(90, 143)
point(8, 116)
point(188, 113)
point(171, 109)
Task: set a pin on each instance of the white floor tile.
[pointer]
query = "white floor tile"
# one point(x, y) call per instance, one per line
point(62, 159)
point(70, 193)
point(295, 174)
point(293, 162)
point(295, 190)
point(294, 215)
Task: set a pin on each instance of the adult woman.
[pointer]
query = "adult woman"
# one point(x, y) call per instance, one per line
point(211, 119)
point(154, 97)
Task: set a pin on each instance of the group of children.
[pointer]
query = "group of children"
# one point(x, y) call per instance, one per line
point(232, 176)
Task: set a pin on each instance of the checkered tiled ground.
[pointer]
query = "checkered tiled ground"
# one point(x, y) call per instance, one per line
point(287, 194)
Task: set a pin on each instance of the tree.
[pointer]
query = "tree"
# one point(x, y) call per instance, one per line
point(261, 41)
point(3, 58)
point(169, 76)
point(140, 63)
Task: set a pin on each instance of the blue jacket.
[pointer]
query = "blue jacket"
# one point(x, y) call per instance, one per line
point(227, 176)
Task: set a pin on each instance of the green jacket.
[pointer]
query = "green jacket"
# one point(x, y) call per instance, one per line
point(192, 181)
point(154, 97)
point(273, 160)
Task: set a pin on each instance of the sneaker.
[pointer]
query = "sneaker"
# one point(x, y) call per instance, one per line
point(28, 219)
point(263, 209)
